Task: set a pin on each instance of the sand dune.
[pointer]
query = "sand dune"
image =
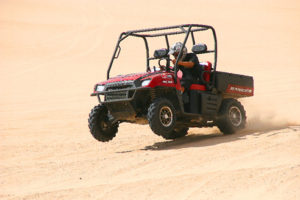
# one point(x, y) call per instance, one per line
point(53, 52)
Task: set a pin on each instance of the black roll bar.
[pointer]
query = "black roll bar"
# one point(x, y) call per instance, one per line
point(180, 53)
point(146, 33)
point(114, 55)
point(147, 54)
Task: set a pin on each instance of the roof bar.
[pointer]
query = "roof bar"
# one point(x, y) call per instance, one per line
point(166, 33)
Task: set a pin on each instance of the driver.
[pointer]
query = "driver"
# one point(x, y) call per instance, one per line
point(188, 63)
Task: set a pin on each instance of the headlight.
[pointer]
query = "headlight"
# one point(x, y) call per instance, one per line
point(146, 82)
point(100, 88)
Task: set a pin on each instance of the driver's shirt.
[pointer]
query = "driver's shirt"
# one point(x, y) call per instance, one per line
point(191, 73)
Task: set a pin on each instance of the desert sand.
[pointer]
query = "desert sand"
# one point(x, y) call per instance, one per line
point(53, 52)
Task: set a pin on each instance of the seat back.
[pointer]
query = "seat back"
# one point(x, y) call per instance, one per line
point(206, 76)
point(207, 69)
point(198, 87)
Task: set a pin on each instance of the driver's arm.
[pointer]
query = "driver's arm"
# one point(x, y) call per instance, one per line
point(186, 64)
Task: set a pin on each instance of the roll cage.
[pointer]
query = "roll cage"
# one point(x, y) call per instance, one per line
point(187, 29)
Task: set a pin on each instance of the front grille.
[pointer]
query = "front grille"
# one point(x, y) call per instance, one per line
point(118, 87)
point(118, 95)
point(118, 90)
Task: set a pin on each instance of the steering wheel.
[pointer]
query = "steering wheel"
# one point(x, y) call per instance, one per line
point(163, 67)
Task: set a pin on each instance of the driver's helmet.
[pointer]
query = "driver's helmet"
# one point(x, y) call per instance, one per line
point(176, 49)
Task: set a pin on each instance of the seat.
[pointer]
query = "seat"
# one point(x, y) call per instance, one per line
point(198, 87)
point(207, 69)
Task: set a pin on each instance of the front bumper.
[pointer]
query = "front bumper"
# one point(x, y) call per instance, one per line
point(126, 104)
point(118, 95)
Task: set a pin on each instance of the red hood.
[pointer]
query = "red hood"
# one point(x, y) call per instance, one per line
point(128, 77)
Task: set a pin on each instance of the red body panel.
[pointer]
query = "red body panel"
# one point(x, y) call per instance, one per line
point(128, 77)
point(164, 79)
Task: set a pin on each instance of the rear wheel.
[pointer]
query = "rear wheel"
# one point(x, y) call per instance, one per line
point(162, 117)
point(232, 116)
point(99, 125)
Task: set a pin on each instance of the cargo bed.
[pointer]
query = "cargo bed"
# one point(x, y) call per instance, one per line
point(234, 85)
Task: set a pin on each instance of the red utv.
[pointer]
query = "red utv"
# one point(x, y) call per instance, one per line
point(154, 97)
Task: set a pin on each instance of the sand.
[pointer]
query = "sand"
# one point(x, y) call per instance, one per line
point(53, 52)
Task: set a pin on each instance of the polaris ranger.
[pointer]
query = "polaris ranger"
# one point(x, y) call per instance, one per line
point(154, 97)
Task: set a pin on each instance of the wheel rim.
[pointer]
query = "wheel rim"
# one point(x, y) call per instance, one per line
point(235, 116)
point(166, 116)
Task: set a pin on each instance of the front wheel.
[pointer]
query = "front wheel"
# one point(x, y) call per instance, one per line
point(232, 116)
point(99, 125)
